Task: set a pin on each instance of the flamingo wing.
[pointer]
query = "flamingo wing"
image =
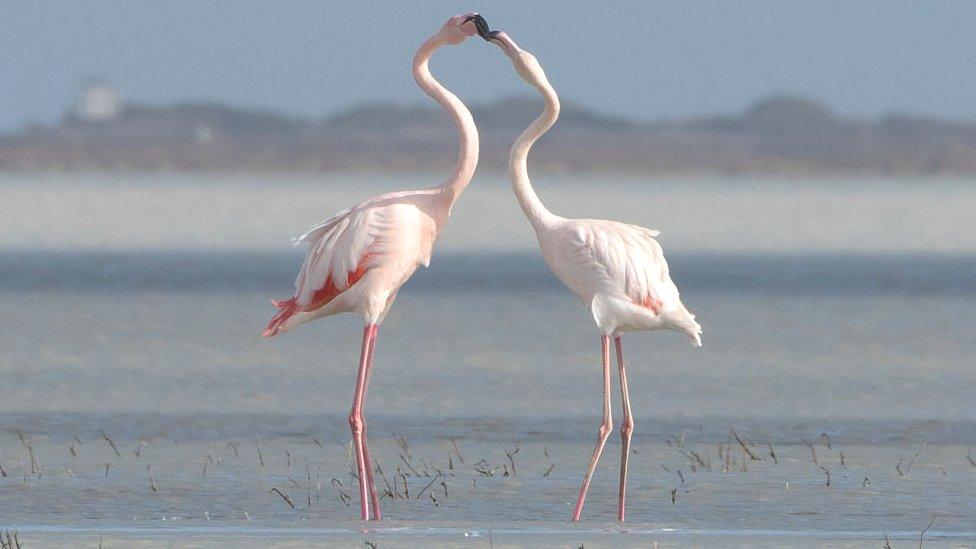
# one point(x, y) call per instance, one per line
point(341, 250)
point(339, 256)
point(630, 261)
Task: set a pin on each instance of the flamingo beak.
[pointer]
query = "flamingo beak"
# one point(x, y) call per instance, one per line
point(480, 24)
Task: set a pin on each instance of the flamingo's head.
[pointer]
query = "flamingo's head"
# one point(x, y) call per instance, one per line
point(461, 27)
point(526, 65)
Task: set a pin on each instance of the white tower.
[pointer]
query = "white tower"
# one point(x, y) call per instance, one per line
point(98, 100)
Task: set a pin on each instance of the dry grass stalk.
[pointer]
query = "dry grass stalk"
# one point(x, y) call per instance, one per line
point(427, 467)
point(344, 496)
point(33, 462)
point(484, 468)
point(457, 450)
point(30, 451)
point(137, 451)
point(283, 495)
point(9, 540)
point(111, 444)
point(511, 455)
point(429, 484)
point(744, 446)
point(826, 439)
point(152, 482)
point(697, 461)
point(406, 487)
point(921, 537)
point(401, 441)
point(390, 490)
point(908, 467)
point(403, 458)
point(813, 454)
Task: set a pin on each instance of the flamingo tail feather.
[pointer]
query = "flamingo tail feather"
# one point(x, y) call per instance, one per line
point(286, 309)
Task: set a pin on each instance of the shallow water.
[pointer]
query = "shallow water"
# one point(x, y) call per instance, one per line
point(809, 354)
point(109, 335)
point(177, 480)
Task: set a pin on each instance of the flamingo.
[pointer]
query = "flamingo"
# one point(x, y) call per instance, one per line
point(359, 258)
point(617, 270)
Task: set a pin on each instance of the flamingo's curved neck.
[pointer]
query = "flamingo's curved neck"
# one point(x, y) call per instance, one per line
point(467, 132)
point(534, 209)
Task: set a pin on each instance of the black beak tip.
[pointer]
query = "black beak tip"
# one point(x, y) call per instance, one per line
point(481, 25)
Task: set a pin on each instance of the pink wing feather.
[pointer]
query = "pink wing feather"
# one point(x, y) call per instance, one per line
point(341, 250)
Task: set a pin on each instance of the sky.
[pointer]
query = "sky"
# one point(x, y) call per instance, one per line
point(640, 59)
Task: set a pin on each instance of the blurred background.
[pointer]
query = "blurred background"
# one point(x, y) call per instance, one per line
point(810, 166)
point(651, 87)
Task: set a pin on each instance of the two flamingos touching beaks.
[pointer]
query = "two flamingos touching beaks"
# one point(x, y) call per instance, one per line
point(359, 258)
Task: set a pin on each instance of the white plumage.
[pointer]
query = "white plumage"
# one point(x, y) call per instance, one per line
point(359, 258)
point(617, 270)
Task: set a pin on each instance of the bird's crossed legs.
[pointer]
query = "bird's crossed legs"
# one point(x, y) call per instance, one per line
point(626, 430)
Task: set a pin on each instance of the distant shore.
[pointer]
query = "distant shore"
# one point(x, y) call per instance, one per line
point(777, 136)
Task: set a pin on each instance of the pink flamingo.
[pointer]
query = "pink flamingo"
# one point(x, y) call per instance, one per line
point(358, 259)
point(617, 270)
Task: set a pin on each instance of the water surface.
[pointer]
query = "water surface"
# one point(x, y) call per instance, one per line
point(844, 348)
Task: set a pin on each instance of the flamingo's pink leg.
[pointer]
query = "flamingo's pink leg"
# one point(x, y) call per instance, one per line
point(605, 428)
point(626, 431)
point(358, 424)
point(374, 501)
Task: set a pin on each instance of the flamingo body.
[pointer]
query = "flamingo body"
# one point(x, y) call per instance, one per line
point(617, 270)
point(358, 259)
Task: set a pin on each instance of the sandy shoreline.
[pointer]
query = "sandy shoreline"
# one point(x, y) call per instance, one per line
point(132, 212)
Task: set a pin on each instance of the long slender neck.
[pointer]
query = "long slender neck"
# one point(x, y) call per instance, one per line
point(467, 160)
point(534, 209)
